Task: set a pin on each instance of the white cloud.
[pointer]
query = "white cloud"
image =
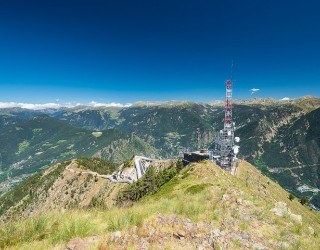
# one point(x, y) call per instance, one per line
point(7, 105)
point(254, 90)
point(57, 106)
point(285, 99)
point(29, 105)
point(112, 104)
point(39, 106)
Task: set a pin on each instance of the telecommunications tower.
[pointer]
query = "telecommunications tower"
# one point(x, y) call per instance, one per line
point(225, 149)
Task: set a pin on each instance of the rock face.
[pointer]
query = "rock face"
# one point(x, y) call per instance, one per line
point(179, 233)
point(115, 236)
point(82, 243)
point(282, 210)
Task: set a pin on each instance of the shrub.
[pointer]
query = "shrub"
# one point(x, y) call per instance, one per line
point(97, 165)
point(304, 201)
point(195, 189)
point(291, 197)
point(148, 184)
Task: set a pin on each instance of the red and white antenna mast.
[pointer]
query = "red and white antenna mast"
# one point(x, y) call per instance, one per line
point(225, 145)
point(228, 106)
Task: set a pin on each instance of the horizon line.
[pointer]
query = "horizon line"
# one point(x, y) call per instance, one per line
point(93, 104)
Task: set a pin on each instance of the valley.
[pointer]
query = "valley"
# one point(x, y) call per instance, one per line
point(281, 138)
point(159, 125)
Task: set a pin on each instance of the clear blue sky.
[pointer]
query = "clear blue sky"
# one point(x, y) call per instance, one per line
point(125, 51)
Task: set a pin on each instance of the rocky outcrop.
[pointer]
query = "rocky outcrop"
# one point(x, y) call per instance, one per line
point(281, 209)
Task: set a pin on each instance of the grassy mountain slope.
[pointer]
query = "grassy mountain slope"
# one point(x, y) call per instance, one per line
point(40, 141)
point(167, 126)
point(170, 126)
point(10, 116)
point(278, 140)
point(37, 143)
point(297, 147)
point(60, 187)
point(125, 148)
point(202, 206)
point(91, 118)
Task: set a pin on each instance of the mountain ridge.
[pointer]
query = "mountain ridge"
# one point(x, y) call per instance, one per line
point(169, 129)
point(11, 106)
point(202, 206)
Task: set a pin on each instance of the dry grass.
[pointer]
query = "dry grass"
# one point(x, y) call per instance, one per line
point(215, 197)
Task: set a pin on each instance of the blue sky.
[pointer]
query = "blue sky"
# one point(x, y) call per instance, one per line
point(126, 51)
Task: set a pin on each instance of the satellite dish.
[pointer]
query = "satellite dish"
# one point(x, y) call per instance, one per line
point(236, 149)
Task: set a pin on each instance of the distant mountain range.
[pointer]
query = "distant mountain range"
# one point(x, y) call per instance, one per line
point(282, 138)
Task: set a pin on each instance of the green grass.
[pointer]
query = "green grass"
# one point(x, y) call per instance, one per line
point(243, 226)
point(53, 227)
point(35, 229)
point(37, 130)
point(195, 189)
point(69, 153)
point(22, 146)
point(97, 165)
point(61, 141)
point(64, 230)
point(97, 134)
